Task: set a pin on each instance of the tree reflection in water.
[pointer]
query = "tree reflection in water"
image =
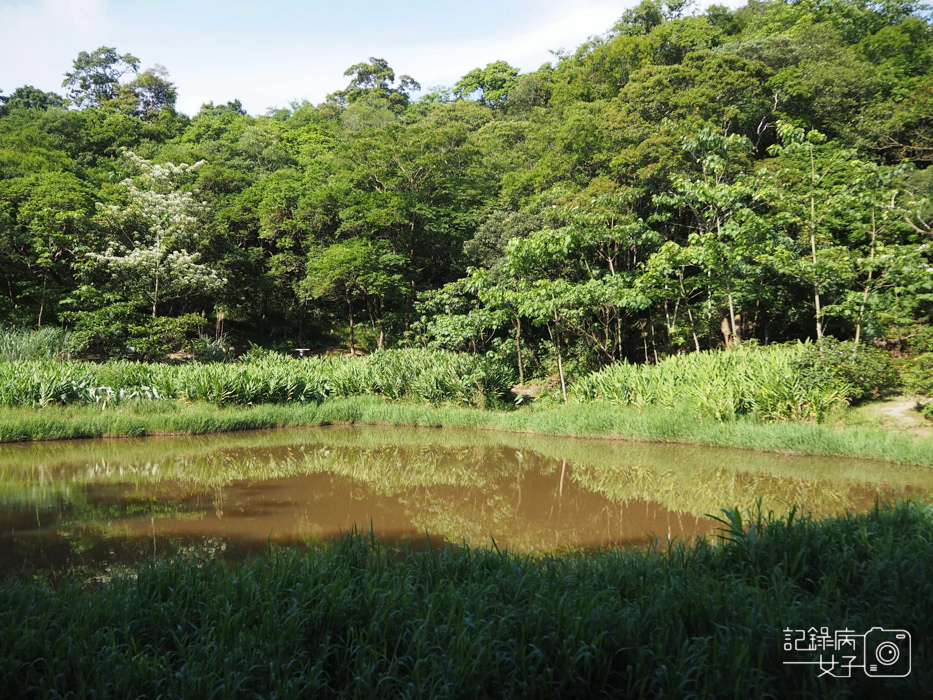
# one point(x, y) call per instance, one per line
point(118, 501)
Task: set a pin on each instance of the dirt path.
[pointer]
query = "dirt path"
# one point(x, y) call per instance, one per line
point(900, 413)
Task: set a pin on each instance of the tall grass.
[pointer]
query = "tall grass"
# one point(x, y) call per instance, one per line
point(355, 619)
point(764, 382)
point(434, 377)
point(43, 344)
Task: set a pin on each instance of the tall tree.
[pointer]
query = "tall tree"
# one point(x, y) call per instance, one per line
point(354, 272)
point(155, 226)
point(95, 78)
point(376, 80)
point(492, 83)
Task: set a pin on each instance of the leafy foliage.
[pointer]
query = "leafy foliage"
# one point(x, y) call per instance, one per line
point(42, 344)
point(917, 374)
point(866, 371)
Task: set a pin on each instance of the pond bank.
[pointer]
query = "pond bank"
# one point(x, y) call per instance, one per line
point(575, 420)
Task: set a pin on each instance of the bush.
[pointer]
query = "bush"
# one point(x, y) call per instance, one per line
point(866, 372)
point(211, 349)
point(121, 330)
point(435, 377)
point(927, 410)
point(917, 374)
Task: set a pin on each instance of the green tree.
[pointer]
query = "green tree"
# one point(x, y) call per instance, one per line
point(354, 272)
point(492, 83)
point(376, 80)
point(95, 78)
point(45, 222)
point(726, 235)
point(28, 97)
point(813, 190)
point(148, 257)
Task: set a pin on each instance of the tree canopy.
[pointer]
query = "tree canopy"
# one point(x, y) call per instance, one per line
point(683, 181)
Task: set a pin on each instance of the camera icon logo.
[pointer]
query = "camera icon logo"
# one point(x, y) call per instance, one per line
point(887, 653)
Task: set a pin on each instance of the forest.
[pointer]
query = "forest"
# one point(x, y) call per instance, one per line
point(679, 183)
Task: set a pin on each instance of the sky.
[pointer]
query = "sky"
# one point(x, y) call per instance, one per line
point(268, 54)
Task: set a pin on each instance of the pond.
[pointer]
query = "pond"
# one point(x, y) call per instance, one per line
point(103, 504)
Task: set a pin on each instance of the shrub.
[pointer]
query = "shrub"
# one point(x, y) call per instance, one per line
point(866, 372)
point(917, 374)
point(927, 410)
point(435, 377)
point(121, 330)
point(211, 349)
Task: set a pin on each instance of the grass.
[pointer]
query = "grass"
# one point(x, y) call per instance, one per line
point(432, 377)
point(136, 419)
point(355, 619)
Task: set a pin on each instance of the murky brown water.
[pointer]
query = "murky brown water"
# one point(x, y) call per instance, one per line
point(99, 503)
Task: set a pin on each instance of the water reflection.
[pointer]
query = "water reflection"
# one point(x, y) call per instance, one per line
point(67, 504)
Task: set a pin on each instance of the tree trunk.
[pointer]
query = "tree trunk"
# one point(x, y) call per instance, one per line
point(518, 349)
point(375, 320)
point(352, 338)
point(861, 311)
point(560, 359)
point(381, 339)
point(654, 345)
point(617, 351)
point(693, 330)
point(155, 296)
point(683, 294)
point(736, 337)
point(42, 302)
point(816, 283)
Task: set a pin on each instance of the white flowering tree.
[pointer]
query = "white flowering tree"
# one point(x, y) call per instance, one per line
point(154, 231)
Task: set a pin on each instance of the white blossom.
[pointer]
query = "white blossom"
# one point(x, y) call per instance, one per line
point(164, 223)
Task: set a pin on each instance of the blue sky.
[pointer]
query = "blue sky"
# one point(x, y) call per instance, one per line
point(269, 53)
